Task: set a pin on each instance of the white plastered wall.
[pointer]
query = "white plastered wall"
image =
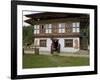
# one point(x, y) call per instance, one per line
point(61, 41)
point(68, 49)
point(48, 45)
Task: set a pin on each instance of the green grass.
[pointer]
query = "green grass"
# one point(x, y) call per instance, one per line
point(40, 61)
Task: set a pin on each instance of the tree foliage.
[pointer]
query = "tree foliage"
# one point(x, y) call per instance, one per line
point(85, 33)
point(28, 35)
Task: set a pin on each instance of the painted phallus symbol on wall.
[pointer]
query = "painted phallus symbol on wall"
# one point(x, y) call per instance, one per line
point(76, 44)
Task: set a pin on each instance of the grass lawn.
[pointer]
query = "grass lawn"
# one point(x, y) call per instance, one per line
point(40, 61)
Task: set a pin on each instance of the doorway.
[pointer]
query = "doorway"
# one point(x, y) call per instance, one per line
point(55, 46)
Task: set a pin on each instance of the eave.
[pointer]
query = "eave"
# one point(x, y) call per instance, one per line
point(49, 16)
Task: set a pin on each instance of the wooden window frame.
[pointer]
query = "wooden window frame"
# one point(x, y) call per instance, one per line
point(48, 28)
point(43, 45)
point(76, 27)
point(68, 27)
point(42, 29)
point(65, 42)
point(36, 29)
point(56, 29)
point(62, 27)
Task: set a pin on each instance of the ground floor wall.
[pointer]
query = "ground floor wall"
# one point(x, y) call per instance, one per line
point(74, 48)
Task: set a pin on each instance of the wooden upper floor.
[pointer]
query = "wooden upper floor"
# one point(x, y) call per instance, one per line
point(57, 29)
point(50, 24)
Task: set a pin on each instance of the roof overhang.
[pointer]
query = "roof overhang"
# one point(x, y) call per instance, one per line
point(53, 15)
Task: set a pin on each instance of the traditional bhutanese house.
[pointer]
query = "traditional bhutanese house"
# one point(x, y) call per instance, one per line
point(64, 30)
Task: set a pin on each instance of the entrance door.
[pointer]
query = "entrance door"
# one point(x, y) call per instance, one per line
point(55, 43)
point(55, 46)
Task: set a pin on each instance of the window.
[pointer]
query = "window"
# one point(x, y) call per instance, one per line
point(47, 25)
point(42, 43)
point(76, 26)
point(54, 28)
point(42, 29)
point(61, 27)
point(68, 27)
point(68, 42)
point(48, 28)
point(36, 29)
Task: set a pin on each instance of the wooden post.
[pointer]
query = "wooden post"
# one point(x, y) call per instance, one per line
point(37, 51)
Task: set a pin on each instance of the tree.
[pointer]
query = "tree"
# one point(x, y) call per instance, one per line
point(85, 33)
point(28, 35)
